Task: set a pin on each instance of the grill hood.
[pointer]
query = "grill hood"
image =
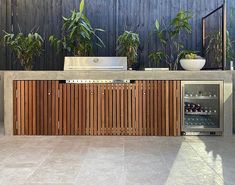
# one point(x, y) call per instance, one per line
point(95, 63)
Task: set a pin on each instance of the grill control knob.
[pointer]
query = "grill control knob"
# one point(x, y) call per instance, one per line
point(95, 60)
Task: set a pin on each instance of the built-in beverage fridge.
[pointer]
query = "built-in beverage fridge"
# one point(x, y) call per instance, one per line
point(202, 107)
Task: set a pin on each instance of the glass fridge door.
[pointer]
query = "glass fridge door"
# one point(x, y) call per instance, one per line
point(202, 107)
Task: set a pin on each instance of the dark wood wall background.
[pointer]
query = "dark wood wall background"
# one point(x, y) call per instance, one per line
point(114, 16)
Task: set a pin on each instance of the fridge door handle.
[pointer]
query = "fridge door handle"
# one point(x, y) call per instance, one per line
point(182, 107)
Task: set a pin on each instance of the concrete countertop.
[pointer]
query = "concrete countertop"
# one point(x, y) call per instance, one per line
point(225, 76)
point(129, 75)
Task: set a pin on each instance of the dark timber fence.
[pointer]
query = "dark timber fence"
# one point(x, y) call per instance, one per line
point(114, 16)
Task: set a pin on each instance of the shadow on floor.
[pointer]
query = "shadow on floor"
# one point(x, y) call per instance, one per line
point(219, 154)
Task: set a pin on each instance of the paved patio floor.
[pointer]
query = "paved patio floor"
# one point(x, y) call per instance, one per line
point(117, 160)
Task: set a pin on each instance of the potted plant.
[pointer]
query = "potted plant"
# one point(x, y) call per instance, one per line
point(156, 57)
point(77, 35)
point(170, 37)
point(127, 45)
point(191, 61)
point(24, 47)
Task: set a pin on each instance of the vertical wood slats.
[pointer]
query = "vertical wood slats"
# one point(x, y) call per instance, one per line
point(149, 108)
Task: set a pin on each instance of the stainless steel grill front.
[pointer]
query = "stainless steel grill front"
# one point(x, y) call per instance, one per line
point(97, 81)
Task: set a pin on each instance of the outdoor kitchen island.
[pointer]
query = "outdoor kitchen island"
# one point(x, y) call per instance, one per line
point(140, 103)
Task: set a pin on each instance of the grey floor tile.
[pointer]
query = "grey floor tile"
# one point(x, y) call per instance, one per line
point(117, 160)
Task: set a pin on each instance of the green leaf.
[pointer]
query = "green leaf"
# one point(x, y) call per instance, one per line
point(65, 18)
point(99, 29)
point(82, 5)
point(100, 40)
point(157, 24)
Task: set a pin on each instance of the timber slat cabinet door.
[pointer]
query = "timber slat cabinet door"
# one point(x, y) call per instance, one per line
point(36, 108)
point(142, 108)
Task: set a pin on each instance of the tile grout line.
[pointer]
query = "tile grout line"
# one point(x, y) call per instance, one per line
point(124, 164)
point(40, 164)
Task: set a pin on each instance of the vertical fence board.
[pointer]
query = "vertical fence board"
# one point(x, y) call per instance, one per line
point(119, 15)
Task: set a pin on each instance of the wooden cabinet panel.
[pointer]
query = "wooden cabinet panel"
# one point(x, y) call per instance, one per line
point(148, 108)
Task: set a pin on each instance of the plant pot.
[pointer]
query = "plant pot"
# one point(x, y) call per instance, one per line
point(192, 64)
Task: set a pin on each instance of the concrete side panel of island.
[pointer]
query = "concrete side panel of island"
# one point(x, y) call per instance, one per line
point(1, 99)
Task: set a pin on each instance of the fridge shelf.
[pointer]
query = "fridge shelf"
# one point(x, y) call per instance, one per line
point(201, 113)
point(201, 97)
point(200, 126)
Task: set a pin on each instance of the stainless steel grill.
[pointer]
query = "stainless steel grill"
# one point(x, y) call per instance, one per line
point(95, 64)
